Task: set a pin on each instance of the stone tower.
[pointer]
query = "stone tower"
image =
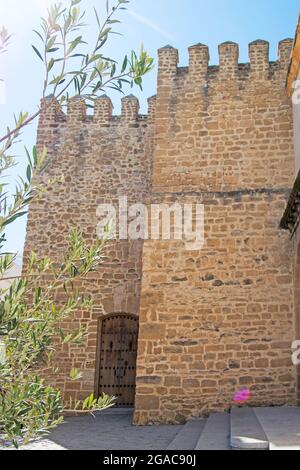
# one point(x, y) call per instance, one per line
point(210, 321)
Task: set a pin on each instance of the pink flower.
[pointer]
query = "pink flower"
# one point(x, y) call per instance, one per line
point(242, 396)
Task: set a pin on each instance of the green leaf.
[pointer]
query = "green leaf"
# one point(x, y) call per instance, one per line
point(51, 43)
point(28, 173)
point(11, 219)
point(75, 374)
point(74, 44)
point(53, 49)
point(39, 35)
point(138, 81)
point(50, 64)
point(124, 65)
point(97, 17)
point(37, 53)
point(113, 70)
point(28, 157)
point(35, 155)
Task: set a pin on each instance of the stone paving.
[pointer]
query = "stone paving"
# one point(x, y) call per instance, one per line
point(273, 428)
point(106, 431)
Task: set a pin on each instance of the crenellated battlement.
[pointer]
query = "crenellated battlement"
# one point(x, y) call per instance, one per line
point(76, 111)
point(198, 62)
point(229, 58)
point(229, 67)
point(216, 124)
point(199, 73)
point(201, 112)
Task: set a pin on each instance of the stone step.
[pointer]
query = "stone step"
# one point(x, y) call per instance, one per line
point(116, 411)
point(282, 426)
point(246, 431)
point(216, 433)
point(188, 436)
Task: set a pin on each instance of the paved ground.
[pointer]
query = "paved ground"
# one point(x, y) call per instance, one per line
point(274, 428)
point(107, 431)
point(282, 427)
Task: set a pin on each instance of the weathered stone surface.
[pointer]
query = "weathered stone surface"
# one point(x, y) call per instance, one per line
point(99, 158)
point(213, 320)
point(228, 145)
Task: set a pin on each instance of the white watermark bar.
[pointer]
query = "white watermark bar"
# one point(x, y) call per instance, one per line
point(154, 222)
point(296, 353)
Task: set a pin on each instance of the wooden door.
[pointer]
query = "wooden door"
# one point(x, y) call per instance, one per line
point(117, 362)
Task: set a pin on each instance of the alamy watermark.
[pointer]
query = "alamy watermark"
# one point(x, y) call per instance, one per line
point(155, 222)
point(296, 353)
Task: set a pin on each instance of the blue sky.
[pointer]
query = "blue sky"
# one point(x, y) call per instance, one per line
point(154, 23)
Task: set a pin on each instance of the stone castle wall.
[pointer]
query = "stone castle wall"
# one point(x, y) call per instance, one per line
point(100, 159)
point(214, 320)
point(217, 320)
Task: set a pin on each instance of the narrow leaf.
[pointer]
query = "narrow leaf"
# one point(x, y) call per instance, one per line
point(38, 53)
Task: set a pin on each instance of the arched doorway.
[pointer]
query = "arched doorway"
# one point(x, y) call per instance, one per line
point(117, 352)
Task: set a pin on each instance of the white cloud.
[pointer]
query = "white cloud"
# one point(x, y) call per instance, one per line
point(142, 19)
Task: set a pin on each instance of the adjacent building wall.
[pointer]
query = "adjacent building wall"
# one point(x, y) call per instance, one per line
point(292, 76)
point(296, 107)
point(291, 217)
